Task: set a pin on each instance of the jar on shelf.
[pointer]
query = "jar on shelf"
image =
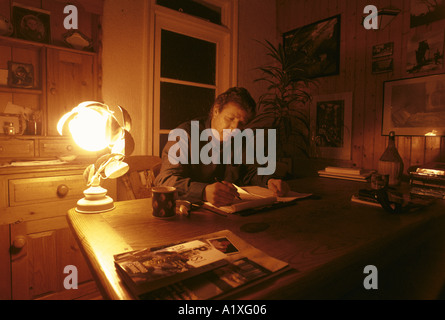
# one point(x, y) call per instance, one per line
point(8, 128)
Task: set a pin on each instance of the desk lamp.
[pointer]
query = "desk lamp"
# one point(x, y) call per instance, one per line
point(95, 127)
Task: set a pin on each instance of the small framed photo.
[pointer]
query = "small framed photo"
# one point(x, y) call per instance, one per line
point(20, 75)
point(382, 50)
point(383, 65)
point(31, 23)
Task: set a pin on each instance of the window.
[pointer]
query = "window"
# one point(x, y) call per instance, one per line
point(194, 60)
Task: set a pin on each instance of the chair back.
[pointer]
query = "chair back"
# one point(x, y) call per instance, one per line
point(138, 181)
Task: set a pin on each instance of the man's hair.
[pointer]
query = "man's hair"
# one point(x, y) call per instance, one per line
point(236, 95)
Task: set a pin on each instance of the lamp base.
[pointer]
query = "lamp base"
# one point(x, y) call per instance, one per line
point(95, 201)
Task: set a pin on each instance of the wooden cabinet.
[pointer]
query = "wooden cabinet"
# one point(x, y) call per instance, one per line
point(62, 79)
point(70, 80)
point(36, 243)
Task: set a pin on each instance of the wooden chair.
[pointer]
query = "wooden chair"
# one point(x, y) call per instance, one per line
point(137, 182)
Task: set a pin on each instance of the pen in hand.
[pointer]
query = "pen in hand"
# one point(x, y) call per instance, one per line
point(220, 181)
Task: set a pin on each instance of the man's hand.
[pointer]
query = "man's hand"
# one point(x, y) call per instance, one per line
point(220, 193)
point(278, 186)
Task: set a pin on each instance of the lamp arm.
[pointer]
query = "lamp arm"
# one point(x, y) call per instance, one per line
point(95, 179)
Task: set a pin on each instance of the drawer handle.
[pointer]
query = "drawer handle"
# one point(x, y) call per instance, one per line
point(62, 190)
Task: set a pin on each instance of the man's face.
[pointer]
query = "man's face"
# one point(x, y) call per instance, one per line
point(231, 116)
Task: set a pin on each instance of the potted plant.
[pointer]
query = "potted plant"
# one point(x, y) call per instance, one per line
point(284, 105)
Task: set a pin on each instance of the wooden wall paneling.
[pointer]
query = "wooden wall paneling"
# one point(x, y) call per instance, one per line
point(337, 7)
point(371, 86)
point(432, 149)
point(359, 85)
point(4, 9)
point(5, 97)
point(442, 149)
point(398, 36)
point(5, 56)
point(389, 34)
point(417, 151)
point(356, 73)
point(31, 3)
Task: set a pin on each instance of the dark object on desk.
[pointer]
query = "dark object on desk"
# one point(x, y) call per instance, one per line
point(428, 180)
point(391, 163)
point(392, 201)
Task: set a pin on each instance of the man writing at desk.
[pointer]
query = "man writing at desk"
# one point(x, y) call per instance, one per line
point(213, 182)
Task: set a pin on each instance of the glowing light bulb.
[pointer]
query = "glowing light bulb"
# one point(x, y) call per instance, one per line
point(89, 130)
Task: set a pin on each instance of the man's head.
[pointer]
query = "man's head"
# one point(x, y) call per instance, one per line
point(232, 109)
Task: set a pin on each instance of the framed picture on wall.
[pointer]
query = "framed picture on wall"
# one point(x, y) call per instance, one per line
point(426, 12)
point(425, 51)
point(382, 50)
point(20, 75)
point(331, 121)
point(316, 47)
point(31, 23)
point(414, 106)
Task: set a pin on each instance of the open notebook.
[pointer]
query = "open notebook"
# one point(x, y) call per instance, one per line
point(255, 197)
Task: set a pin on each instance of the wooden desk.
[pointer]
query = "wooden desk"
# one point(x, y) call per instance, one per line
point(328, 241)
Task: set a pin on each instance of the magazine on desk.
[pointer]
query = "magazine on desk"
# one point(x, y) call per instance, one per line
point(213, 266)
point(252, 197)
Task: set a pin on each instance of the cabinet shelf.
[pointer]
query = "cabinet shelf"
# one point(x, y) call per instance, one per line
point(31, 44)
point(20, 90)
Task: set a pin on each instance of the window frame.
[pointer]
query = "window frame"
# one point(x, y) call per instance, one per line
point(225, 36)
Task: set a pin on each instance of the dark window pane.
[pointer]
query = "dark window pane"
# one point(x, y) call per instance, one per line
point(163, 139)
point(196, 8)
point(186, 58)
point(180, 103)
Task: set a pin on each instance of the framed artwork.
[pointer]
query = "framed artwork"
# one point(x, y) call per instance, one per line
point(382, 50)
point(331, 121)
point(20, 75)
point(425, 12)
point(316, 47)
point(31, 23)
point(425, 51)
point(414, 106)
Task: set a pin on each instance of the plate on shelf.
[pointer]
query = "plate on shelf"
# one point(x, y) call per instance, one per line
point(77, 40)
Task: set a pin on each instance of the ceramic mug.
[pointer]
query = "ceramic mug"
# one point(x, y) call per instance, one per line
point(379, 181)
point(164, 202)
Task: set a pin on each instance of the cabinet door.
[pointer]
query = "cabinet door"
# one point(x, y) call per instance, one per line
point(70, 80)
point(40, 250)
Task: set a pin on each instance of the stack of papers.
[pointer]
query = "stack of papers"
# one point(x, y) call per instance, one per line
point(355, 174)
